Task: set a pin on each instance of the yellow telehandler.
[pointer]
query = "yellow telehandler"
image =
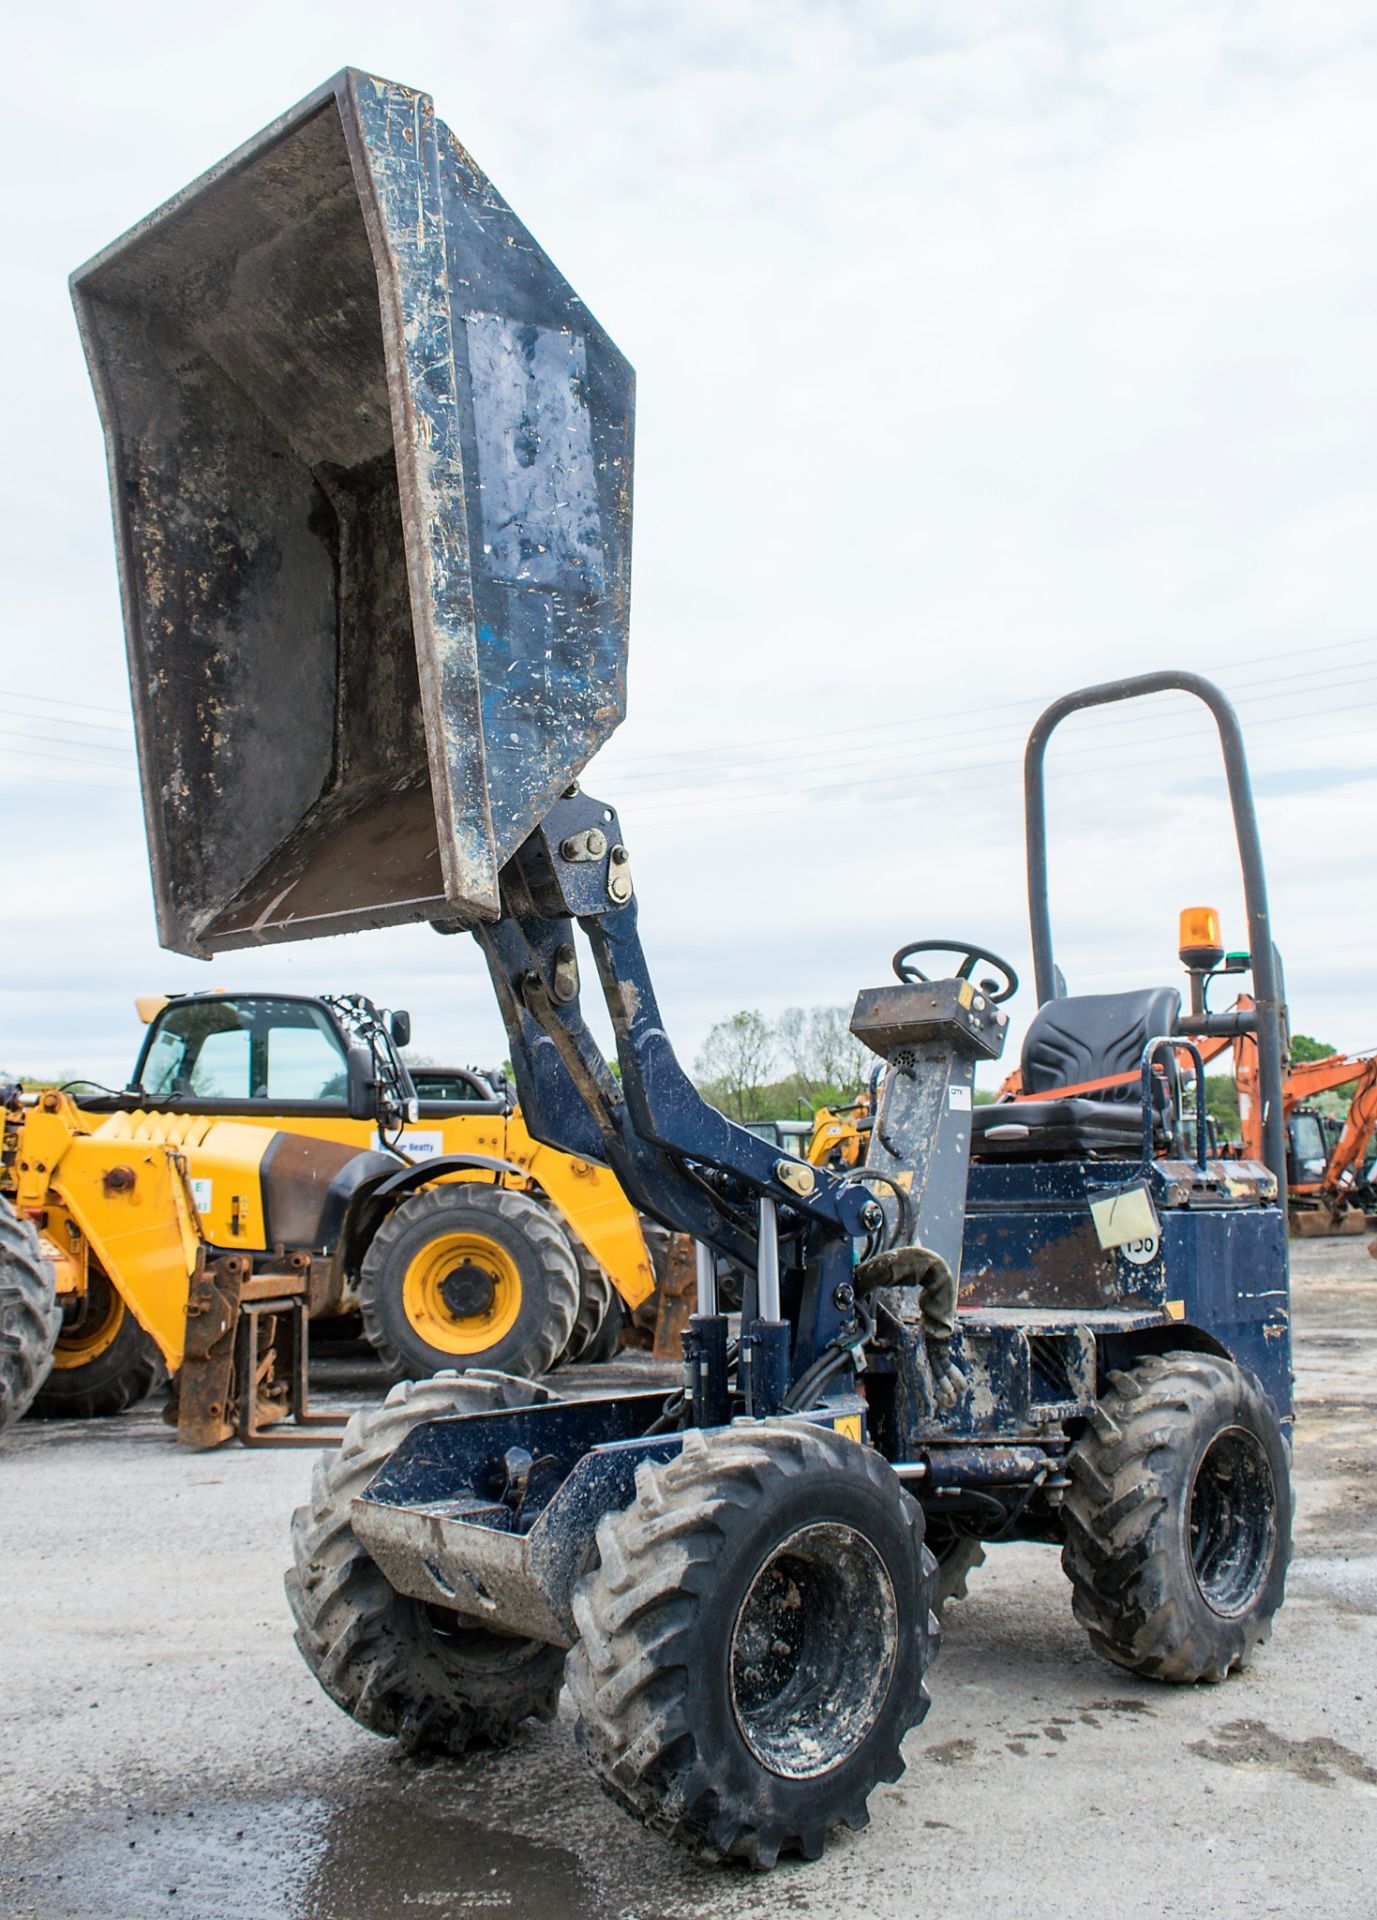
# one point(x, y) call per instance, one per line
point(271, 1163)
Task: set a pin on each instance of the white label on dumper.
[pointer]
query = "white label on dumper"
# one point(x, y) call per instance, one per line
point(959, 1099)
point(202, 1192)
point(1125, 1217)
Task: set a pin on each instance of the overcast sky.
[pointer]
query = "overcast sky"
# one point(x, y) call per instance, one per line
point(982, 351)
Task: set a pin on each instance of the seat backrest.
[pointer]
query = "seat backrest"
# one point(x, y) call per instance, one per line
point(1090, 1036)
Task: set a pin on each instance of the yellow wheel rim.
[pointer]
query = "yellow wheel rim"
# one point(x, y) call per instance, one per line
point(462, 1293)
point(94, 1327)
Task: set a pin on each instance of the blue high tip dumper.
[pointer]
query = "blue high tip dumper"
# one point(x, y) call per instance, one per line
point(371, 461)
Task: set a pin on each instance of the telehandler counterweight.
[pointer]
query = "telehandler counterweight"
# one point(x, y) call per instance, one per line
point(1054, 1320)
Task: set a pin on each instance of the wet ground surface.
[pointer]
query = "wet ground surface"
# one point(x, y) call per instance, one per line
point(165, 1752)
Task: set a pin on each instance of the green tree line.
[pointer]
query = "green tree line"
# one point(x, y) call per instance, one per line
point(752, 1068)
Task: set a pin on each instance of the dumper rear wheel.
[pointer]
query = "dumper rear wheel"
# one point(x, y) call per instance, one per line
point(29, 1316)
point(1178, 1522)
point(469, 1276)
point(103, 1362)
point(413, 1673)
point(754, 1639)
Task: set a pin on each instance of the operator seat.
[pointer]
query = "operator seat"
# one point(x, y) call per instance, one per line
point(1088, 1036)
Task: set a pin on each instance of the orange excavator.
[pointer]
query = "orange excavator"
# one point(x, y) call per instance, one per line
point(1328, 1190)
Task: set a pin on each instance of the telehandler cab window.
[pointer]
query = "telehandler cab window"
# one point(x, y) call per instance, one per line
point(250, 1049)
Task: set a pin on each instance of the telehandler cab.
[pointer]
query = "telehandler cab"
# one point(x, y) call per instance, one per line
point(266, 1169)
point(472, 1271)
point(352, 405)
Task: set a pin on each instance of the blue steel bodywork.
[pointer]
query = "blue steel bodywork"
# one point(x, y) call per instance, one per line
point(448, 1522)
point(370, 460)
point(1218, 1269)
point(370, 456)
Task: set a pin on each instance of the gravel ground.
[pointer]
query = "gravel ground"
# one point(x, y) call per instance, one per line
point(165, 1751)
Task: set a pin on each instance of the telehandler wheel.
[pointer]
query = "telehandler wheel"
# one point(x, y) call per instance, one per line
point(29, 1316)
point(404, 1670)
point(103, 1363)
point(596, 1295)
point(957, 1556)
point(1178, 1522)
point(468, 1276)
point(754, 1639)
point(607, 1341)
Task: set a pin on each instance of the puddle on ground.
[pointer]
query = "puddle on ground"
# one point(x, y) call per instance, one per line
point(299, 1858)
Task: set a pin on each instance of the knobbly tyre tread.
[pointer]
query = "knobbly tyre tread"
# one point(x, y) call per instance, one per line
point(377, 1653)
point(545, 1335)
point(596, 1294)
point(127, 1372)
point(30, 1316)
point(633, 1673)
point(1125, 1549)
point(606, 1343)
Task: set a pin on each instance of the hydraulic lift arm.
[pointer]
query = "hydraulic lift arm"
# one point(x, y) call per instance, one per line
point(681, 1161)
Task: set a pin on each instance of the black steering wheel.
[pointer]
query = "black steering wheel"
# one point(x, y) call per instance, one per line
point(970, 956)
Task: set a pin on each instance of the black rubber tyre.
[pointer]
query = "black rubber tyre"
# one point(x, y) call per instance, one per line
point(596, 1295)
point(1178, 1522)
point(509, 1242)
point(606, 1343)
point(754, 1640)
point(124, 1371)
point(29, 1316)
point(403, 1670)
point(957, 1556)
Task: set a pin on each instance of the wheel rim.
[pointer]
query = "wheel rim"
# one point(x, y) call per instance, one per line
point(1232, 1523)
point(813, 1651)
point(93, 1328)
point(462, 1293)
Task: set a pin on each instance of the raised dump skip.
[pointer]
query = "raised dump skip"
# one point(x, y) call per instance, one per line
point(370, 459)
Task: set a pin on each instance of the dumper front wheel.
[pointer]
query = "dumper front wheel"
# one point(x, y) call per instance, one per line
point(29, 1316)
point(467, 1276)
point(1178, 1522)
point(753, 1640)
point(417, 1674)
point(103, 1362)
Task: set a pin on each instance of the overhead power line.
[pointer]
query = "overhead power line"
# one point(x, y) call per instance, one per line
point(993, 774)
point(818, 766)
point(59, 740)
point(989, 739)
point(958, 713)
point(55, 700)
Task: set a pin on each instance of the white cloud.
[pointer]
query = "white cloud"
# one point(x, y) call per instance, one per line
point(982, 351)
